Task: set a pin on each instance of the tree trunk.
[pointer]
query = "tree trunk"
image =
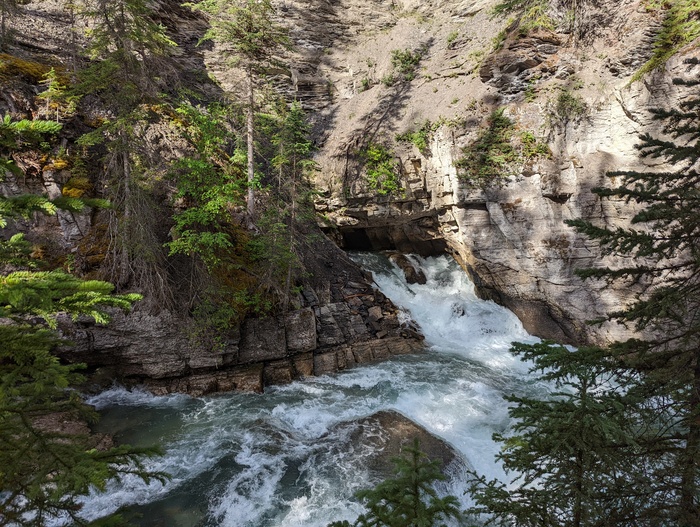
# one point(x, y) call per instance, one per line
point(689, 513)
point(292, 220)
point(3, 16)
point(249, 139)
point(125, 264)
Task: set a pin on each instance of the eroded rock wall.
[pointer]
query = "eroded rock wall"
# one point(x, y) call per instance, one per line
point(512, 239)
point(343, 321)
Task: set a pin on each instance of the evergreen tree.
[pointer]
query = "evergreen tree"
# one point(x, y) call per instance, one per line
point(129, 52)
point(248, 29)
point(292, 160)
point(44, 469)
point(664, 243)
point(621, 446)
point(408, 499)
point(571, 454)
point(130, 66)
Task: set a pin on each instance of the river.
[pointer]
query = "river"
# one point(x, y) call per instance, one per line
point(285, 458)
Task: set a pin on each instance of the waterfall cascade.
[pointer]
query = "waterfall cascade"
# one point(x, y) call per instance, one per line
point(288, 457)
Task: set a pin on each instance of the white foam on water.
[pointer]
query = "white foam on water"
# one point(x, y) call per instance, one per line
point(287, 458)
point(251, 492)
point(120, 396)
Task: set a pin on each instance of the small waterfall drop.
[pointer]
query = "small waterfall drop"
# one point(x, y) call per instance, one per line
point(287, 458)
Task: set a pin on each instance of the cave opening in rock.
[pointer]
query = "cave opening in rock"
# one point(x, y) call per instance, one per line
point(409, 238)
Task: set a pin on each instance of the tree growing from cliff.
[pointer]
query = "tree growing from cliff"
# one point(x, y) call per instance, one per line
point(129, 67)
point(252, 38)
point(128, 51)
point(292, 161)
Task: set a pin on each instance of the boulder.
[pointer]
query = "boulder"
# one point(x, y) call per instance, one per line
point(389, 432)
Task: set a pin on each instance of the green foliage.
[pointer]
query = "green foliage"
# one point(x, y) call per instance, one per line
point(569, 106)
point(44, 465)
point(405, 62)
point(43, 293)
point(420, 137)
point(663, 243)
point(56, 95)
point(128, 51)
point(293, 162)
point(210, 182)
point(389, 79)
point(381, 169)
point(25, 133)
point(497, 152)
point(618, 444)
point(22, 135)
point(15, 251)
point(247, 27)
point(533, 15)
point(408, 499)
point(533, 147)
point(451, 38)
point(567, 452)
point(45, 470)
point(681, 26)
point(536, 17)
point(500, 38)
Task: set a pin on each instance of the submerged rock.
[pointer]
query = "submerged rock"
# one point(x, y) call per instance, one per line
point(414, 275)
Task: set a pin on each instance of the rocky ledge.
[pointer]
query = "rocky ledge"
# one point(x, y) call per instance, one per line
point(343, 321)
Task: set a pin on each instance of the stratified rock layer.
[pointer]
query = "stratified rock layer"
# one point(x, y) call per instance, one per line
point(512, 239)
point(353, 324)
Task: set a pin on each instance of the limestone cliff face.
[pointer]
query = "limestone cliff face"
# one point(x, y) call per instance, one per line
point(513, 239)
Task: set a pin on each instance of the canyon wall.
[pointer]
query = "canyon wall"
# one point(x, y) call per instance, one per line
point(511, 238)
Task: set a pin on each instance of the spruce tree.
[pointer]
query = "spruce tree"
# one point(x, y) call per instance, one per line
point(248, 29)
point(570, 454)
point(664, 244)
point(408, 499)
point(129, 68)
point(44, 468)
point(293, 163)
point(621, 445)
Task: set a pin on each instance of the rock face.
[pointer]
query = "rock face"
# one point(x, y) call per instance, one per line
point(330, 328)
point(353, 324)
point(572, 87)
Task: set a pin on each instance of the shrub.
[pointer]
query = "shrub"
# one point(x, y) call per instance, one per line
point(681, 25)
point(381, 169)
point(405, 62)
point(570, 106)
point(420, 138)
point(497, 152)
